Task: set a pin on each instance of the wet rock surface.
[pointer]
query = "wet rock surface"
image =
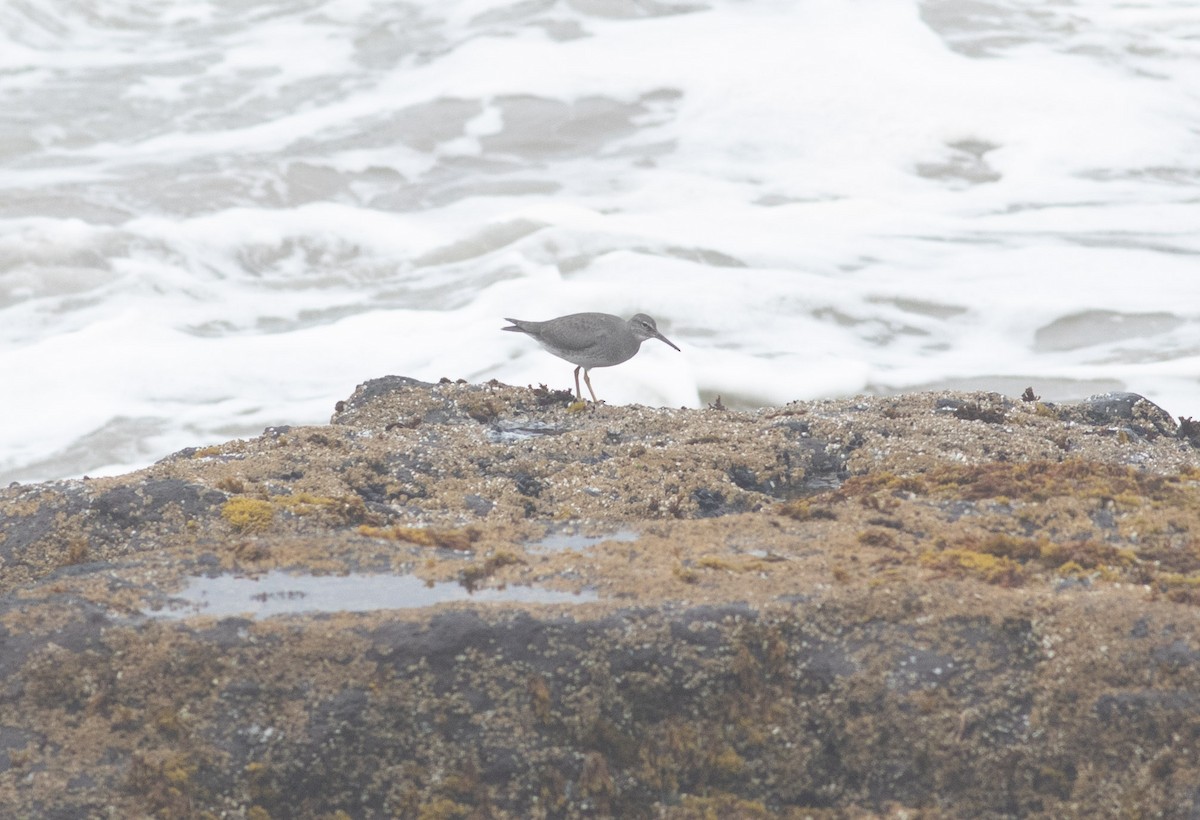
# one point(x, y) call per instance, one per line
point(954, 604)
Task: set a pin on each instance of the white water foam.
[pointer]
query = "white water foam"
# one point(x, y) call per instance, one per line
point(218, 217)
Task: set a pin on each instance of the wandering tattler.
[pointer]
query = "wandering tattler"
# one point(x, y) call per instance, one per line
point(591, 340)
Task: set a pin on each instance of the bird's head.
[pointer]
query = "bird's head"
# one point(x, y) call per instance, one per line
point(643, 328)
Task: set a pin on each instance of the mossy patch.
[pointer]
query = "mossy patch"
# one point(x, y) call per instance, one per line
point(481, 407)
point(734, 563)
point(443, 808)
point(1041, 480)
point(165, 782)
point(720, 805)
point(805, 510)
point(685, 573)
point(1008, 523)
point(1178, 588)
point(452, 539)
point(475, 574)
point(343, 509)
point(1024, 481)
point(876, 537)
point(248, 514)
point(991, 568)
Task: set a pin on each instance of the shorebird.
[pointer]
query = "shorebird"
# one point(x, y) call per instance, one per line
point(591, 340)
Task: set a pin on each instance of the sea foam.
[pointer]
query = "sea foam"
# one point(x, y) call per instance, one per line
point(219, 217)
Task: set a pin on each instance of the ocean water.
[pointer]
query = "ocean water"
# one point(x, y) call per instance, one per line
point(219, 215)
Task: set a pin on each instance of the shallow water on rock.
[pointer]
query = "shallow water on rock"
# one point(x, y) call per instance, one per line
point(282, 593)
point(511, 432)
point(567, 540)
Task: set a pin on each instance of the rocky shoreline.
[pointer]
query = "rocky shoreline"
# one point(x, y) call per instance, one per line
point(942, 604)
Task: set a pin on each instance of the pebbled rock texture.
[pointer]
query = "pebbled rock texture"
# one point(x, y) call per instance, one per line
point(927, 605)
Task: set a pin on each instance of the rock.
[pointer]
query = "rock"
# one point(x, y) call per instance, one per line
point(881, 604)
point(1130, 412)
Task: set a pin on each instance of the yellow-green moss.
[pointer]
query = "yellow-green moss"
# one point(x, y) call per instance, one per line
point(164, 783)
point(991, 568)
point(805, 511)
point(1024, 481)
point(1071, 570)
point(1178, 579)
point(685, 573)
point(260, 781)
point(1042, 518)
point(1003, 545)
point(540, 698)
point(248, 514)
point(728, 763)
point(713, 562)
point(77, 550)
point(180, 771)
point(443, 808)
point(881, 480)
point(452, 539)
point(302, 503)
point(1087, 553)
point(231, 484)
point(475, 573)
point(730, 564)
point(168, 721)
point(257, 514)
point(481, 408)
point(595, 780)
point(344, 509)
point(721, 805)
point(877, 538)
point(1179, 588)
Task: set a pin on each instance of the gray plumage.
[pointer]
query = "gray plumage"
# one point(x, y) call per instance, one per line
point(591, 340)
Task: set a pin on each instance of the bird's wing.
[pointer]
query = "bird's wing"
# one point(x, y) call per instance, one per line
point(573, 333)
